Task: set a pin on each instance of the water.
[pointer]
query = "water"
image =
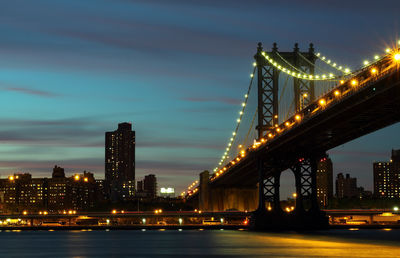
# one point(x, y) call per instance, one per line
point(195, 243)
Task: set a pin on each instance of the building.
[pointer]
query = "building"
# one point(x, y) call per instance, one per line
point(324, 181)
point(57, 194)
point(346, 187)
point(120, 162)
point(150, 185)
point(387, 177)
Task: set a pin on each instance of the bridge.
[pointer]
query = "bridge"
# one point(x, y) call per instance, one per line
point(348, 105)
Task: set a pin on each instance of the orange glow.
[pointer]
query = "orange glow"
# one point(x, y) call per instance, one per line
point(86, 179)
point(297, 117)
point(396, 57)
point(322, 102)
point(287, 123)
point(25, 213)
point(270, 135)
point(336, 92)
point(11, 178)
point(114, 211)
point(76, 177)
point(342, 81)
point(374, 70)
point(354, 82)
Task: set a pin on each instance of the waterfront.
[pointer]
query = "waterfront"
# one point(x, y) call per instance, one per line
point(199, 243)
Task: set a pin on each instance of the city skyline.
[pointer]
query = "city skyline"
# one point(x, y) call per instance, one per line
point(65, 84)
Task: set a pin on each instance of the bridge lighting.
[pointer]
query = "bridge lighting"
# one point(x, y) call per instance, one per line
point(297, 117)
point(347, 70)
point(340, 67)
point(287, 123)
point(24, 213)
point(334, 64)
point(336, 92)
point(251, 75)
point(237, 159)
point(331, 75)
point(234, 133)
point(114, 211)
point(317, 76)
point(376, 57)
point(278, 129)
point(11, 178)
point(233, 162)
point(238, 120)
point(329, 61)
point(269, 208)
point(294, 195)
point(395, 208)
point(374, 70)
point(246, 96)
point(243, 104)
point(254, 64)
point(341, 81)
point(366, 62)
point(310, 76)
point(387, 50)
point(76, 177)
point(323, 76)
point(270, 135)
point(396, 57)
point(322, 102)
point(224, 168)
point(354, 82)
point(323, 58)
point(262, 140)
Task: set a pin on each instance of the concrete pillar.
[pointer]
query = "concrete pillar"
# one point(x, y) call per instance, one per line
point(204, 194)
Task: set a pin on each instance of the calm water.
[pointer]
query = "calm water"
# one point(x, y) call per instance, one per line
point(195, 243)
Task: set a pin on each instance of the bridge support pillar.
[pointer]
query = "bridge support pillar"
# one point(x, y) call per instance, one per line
point(307, 214)
point(307, 208)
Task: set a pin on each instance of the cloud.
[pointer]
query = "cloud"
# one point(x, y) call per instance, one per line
point(230, 101)
point(32, 92)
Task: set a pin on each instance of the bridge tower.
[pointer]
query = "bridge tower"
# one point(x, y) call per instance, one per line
point(304, 165)
point(268, 84)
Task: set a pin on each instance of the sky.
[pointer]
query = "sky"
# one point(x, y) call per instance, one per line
point(71, 70)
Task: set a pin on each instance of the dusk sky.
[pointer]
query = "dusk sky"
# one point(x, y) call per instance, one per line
point(178, 70)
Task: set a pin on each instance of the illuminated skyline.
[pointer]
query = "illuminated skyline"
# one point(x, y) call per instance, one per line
point(70, 71)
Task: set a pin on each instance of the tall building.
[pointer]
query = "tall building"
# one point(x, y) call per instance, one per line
point(387, 177)
point(120, 162)
point(346, 187)
point(324, 181)
point(150, 185)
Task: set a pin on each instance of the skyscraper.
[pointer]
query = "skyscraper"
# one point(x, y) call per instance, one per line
point(120, 162)
point(324, 181)
point(387, 177)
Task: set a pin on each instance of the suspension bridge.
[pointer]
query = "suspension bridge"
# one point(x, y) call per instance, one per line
point(329, 105)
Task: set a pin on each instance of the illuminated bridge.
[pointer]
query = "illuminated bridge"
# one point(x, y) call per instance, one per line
point(295, 129)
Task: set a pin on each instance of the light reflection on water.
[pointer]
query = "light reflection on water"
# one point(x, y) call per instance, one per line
point(210, 243)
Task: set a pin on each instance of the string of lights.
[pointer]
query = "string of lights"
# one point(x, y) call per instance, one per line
point(296, 73)
point(241, 112)
point(344, 70)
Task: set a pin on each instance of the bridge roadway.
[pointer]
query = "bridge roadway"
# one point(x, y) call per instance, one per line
point(372, 105)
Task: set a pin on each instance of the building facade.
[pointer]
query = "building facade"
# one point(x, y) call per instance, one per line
point(387, 177)
point(22, 192)
point(120, 162)
point(325, 181)
point(346, 187)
